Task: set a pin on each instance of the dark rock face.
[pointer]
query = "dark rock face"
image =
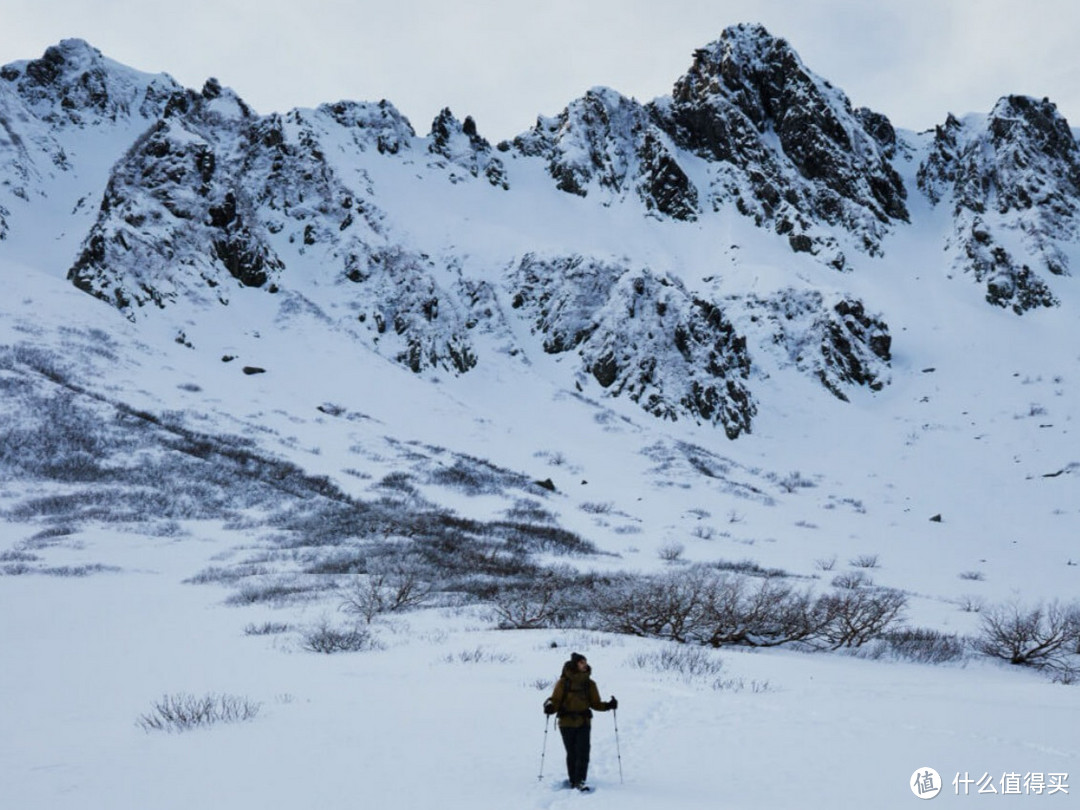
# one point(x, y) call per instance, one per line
point(1018, 171)
point(794, 150)
point(640, 335)
point(172, 202)
point(781, 144)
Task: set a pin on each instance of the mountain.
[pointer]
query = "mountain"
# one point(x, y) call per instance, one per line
point(740, 367)
point(706, 259)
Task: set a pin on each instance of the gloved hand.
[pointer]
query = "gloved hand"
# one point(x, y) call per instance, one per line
point(549, 707)
point(613, 703)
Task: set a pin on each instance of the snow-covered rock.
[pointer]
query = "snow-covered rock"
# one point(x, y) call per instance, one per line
point(641, 335)
point(1012, 180)
point(786, 146)
point(154, 196)
point(607, 143)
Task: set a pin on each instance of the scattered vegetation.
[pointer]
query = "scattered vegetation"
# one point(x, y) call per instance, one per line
point(107, 462)
point(478, 655)
point(183, 712)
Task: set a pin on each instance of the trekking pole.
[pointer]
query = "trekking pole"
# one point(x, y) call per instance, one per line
point(543, 751)
point(615, 717)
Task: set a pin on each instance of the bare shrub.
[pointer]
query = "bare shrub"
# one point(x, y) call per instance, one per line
point(850, 580)
point(478, 655)
point(392, 587)
point(327, 639)
point(706, 606)
point(762, 613)
point(689, 662)
point(266, 629)
point(669, 606)
point(919, 644)
point(182, 712)
point(671, 552)
point(865, 561)
point(826, 563)
point(1042, 636)
point(544, 601)
point(274, 593)
point(795, 481)
point(969, 603)
point(855, 616)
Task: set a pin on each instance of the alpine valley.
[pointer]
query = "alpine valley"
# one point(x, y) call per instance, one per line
point(254, 364)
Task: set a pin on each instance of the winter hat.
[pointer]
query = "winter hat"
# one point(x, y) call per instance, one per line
point(575, 657)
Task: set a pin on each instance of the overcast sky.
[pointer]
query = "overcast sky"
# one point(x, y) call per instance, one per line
point(506, 62)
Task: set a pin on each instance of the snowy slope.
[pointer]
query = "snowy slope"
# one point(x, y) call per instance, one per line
point(318, 344)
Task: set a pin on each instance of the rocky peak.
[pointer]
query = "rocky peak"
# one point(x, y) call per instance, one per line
point(1013, 172)
point(462, 145)
point(372, 124)
point(73, 83)
point(607, 143)
point(749, 85)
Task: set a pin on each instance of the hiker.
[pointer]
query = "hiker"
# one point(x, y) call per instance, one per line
point(574, 698)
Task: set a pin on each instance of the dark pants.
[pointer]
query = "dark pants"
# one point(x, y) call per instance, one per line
point(576, 741)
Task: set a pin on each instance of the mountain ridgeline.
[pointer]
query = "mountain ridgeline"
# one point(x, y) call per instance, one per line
point(167, 199)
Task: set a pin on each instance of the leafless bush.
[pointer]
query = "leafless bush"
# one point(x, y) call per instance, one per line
point(761, 613)
point(478, 655)
point(392, 587)
point(795, 481)
point(671, 552)
point(662, 607)
point(851, 580)
point(865, 561)
point(182, 712)
point(855, 616)
point(266, 629)
point(274, 593)
point(826, 563)
point(689, 662)
point(327, 639)
point(547, 600)
point(1043, 636)
point(706, 606)
point(969, 603)
point(922, 645)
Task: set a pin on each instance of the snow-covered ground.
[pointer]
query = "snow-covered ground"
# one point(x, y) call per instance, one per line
point(448, 714)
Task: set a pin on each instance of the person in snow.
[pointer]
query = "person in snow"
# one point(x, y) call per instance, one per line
point(573, 701)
